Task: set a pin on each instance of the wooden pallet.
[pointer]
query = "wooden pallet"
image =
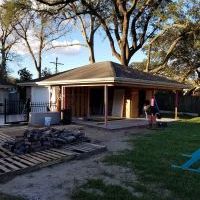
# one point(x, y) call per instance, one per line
point(5, 153)
point(5, 138)
point(85, 147)
point(12, 164)
point(18, 164)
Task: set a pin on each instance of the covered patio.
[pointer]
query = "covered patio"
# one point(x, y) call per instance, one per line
point(109, 90)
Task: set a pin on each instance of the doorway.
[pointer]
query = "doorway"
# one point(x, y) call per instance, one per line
point(142, 98)
point(96, 101)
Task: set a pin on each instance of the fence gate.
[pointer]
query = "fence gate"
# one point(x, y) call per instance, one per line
point(15, 111)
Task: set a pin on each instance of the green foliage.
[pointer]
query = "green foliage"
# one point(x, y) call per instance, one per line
point(25, 74)
point(177, 48)
point(46, 72)
point(105, 192)
point(9, 15)
point(139, 65)
point(11, 11)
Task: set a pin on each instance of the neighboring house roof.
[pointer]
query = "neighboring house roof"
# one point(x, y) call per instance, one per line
point(34, 82)
point(110, 73)
point(5, 84)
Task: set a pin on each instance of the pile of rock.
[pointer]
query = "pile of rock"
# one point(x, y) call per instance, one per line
point(41, 139)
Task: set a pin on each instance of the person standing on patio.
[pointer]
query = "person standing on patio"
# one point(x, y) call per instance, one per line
point(152, 114)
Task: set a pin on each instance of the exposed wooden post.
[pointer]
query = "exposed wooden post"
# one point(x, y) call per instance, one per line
point(50, 97)
point(106, 105)
point(62, 97)
point(72, 102)
point(5, 111)
point(176, 105)
point(88, 102)
point(153, 92)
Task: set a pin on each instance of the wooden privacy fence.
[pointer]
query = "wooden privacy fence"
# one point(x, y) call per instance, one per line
point(188, 104)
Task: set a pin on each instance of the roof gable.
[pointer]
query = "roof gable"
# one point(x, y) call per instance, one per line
point(108, 70)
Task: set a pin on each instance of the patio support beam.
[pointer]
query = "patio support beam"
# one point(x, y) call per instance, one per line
point(62, 98)
point(176, 105)
point(106, 105)
point(88, 102)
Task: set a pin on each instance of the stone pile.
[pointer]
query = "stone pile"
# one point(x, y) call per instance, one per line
point(41, 139)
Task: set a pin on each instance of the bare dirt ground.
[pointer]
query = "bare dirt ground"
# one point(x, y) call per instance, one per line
point(59, 181)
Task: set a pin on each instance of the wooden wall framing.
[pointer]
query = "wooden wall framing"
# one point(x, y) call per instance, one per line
point(76, 98)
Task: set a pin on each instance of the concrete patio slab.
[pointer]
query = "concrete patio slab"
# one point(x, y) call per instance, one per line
point(120, 124)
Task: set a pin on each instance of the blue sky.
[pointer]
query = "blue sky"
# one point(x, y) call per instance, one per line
point(72, 58)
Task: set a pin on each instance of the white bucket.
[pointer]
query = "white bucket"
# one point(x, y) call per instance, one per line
point(47, 121)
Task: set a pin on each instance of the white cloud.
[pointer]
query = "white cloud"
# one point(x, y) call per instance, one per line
point(61, 47)
point(66, 47)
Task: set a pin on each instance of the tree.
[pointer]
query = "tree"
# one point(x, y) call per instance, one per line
point(46, 72)
point(127, 24)
point(76, 13)
point(175, 51)
point(25, 75)
point(88, 24)
point(81, 19)
point(7, 36)
point(38, 31)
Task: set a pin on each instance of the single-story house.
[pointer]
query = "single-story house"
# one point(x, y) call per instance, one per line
point(102, 89)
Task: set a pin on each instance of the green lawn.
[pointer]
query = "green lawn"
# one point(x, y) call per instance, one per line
point(151, 159)
point(95, 189)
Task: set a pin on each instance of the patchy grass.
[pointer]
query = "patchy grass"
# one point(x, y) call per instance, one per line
point(9, 197)
point(154, 154)
point(96, 189)
point(151, 159)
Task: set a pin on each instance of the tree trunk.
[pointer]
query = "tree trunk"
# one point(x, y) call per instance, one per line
point(3, 72)
point(148, 59)
point(123, 60)
point(39, 72)
point(91, 52)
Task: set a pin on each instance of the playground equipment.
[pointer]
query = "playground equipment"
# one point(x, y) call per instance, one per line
point(190, 164)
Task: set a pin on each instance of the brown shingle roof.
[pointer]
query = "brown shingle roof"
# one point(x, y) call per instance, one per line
point(96, 70)
point(128, 72)
point(111, 71)
point(108, 72)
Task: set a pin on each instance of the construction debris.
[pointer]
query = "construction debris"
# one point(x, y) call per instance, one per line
point(42, 139)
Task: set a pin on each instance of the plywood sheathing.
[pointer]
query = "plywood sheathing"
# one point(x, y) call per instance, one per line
point(134, 103)
point(77, 99)
point(149, 94)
